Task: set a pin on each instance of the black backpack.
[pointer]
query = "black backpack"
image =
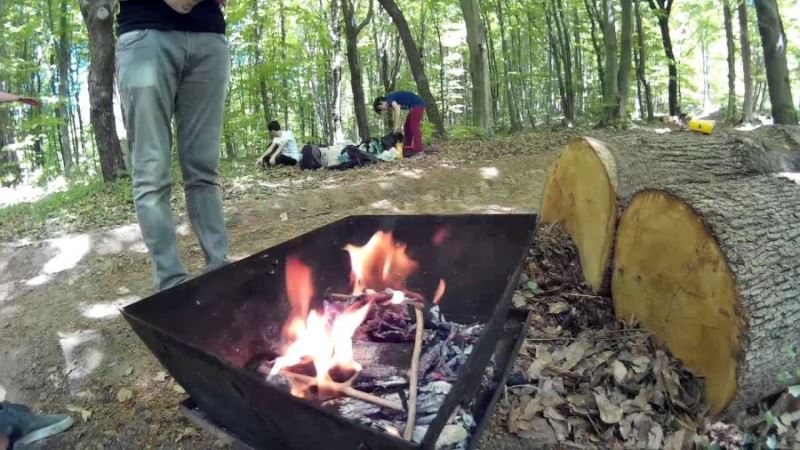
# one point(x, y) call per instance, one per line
point(311, 158)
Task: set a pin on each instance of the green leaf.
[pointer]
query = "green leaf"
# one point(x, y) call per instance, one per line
point(795, 390)
point(784, 377)
point(533, 287)
point(770, 419)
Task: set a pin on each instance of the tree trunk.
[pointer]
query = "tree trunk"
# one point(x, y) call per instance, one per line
point(641, 68)
point(62, 90)
point(416, 64)
point(555, 51)
point(594, 19)
point(722, 295)
point(747, 70)
point(516, 125)
point(352, 30)
point(284, 75)
point(662, 10)
point(99, 16)
point(610, 100)
point(591, 180)
point(336, 74)
point(730, 114)
point(624, 75)
point(773, 40)
point(478, 66)
point(565, 53)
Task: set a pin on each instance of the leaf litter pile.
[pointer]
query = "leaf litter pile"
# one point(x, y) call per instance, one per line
point(586, 380)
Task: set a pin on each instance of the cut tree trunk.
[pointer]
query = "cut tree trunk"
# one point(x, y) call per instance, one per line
point(711, 270)
point(773, 40)
point(590, 182)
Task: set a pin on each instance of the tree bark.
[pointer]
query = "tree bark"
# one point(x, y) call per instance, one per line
point(662, 10)
point(773, 40)
point(730, 114)
point(599, 53)
point(747, 61)
point(99, 16)
point(336, 73)
point(352, 30)
point(625, 66)
point(562, 40)
point(478, 66)
point(607, 18)
point(516, 125)
point(641, 72)
point(722, 294)
point(416, 64)
point(62, 55)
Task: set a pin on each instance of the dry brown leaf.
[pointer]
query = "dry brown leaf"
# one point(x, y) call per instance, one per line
point(574, 353)
point(609, 412)
point(619, 371)
point(178, 388)
point(285, 218)
point(560, 428)
point(129, 371)
point(84, 413)
point(676, 440)
point(655, 436)
point(558, 307)
point(519, 301)
point(124, 394)
point(552, 413)
point(540, 434)
point(640, 364)
point(160, 377)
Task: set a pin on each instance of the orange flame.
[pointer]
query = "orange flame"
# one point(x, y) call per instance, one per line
point(382, 263)
point(326, 340)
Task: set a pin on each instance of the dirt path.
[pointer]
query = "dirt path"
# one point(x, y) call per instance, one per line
point(63, 345)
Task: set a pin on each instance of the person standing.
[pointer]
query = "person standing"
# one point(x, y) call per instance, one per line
point(173, 62)
point(411, 129)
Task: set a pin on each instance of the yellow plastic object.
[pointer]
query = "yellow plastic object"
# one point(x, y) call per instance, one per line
point(399, 147)
point(702, 126)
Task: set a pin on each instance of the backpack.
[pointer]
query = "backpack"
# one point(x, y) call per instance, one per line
point(311, 158)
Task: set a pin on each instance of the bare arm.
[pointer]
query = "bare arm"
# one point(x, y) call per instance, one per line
point(267, 153)
point(398, 117)
point(8, 98)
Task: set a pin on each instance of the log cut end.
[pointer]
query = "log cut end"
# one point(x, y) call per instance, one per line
point(580, 193)
point(671, 275)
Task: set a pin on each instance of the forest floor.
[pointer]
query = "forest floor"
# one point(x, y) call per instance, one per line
point(65, 348)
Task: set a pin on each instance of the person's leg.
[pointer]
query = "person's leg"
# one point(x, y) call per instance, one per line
point(283, 160)
point(149, 64)
point(199, 109)
point(413, 131)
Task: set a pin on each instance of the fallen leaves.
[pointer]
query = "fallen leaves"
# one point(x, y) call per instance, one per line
point(84, 413)
point(124, 394)
point(609, 412)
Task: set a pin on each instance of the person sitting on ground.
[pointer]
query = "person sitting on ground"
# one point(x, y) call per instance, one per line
point(283, 150)
point(19, 426)
point(412, 132)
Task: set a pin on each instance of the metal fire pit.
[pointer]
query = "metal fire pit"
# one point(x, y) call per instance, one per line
point(205, 331)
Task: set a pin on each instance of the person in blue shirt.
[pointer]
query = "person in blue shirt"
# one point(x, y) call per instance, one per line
point(411, 129)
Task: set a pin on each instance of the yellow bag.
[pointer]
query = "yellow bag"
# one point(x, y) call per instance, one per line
point(702, 126)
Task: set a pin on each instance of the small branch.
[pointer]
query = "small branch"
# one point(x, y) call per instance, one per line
point(366, 19)
point(596, 297)
point(412, 375)
point(346, 390)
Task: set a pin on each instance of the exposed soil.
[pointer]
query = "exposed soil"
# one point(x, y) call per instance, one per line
point(64, 347)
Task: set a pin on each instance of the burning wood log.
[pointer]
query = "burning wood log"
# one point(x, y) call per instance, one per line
point(591, 181)
point(413, 373)
point(713, 270)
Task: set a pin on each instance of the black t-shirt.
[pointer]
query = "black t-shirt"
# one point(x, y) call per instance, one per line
point(206, 17)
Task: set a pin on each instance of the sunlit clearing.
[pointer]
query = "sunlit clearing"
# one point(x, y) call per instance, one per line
point(662, 130)
point(794, 176)
point(119, 239)
point(385, 205)
point(107, 310)
point(5, 291)
point(495, 209)
point(749, 127)
point(30, 191)
point(414, 174)
point(81, 352)
point(38, 280)
point(71, 250)
point(489, 173)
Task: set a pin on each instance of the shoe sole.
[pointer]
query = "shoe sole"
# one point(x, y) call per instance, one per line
point(43, 433)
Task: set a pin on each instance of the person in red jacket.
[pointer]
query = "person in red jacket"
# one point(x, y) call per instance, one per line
point(411, 129)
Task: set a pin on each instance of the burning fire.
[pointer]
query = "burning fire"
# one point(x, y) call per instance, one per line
point(325, 340)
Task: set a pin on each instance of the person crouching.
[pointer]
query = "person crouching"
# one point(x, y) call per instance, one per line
point(283, 150)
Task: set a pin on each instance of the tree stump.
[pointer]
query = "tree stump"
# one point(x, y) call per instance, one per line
point(713, 270)
point(591, 181)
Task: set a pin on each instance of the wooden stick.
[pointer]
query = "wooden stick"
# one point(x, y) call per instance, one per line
point(346, 390)
point(412, 375)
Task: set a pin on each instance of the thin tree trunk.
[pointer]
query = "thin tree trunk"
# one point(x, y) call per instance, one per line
point(608, 25)
point(336, 73)
point(599, 52)
point(662, 10)
point(557, 59)
point(352, 30)
point(416, 64)
point(626, 44)
point(565, 53)
point(730, 114)
point(478, 66)
point(773, 39)
point(512, 108)
point(63, 64)
point(641, 70)
point(99, 15)
point(747, 70)
point(284, 75)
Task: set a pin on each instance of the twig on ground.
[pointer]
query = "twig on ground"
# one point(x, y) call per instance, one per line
point(412, 375)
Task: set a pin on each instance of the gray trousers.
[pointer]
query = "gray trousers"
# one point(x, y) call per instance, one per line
point(161, 75)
